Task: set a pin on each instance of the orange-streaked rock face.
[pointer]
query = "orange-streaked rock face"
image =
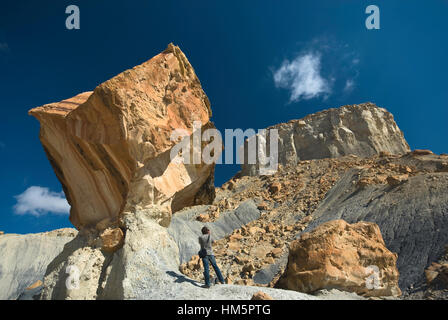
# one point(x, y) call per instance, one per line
point(349, 257)
point(110, 148)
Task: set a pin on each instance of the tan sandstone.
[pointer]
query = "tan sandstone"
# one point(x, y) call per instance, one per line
point(342, 256)
point(110, 148)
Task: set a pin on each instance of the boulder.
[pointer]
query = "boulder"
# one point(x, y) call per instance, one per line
point(412, 218)
point(110, 148)
point(337, 255)
point(361, 130)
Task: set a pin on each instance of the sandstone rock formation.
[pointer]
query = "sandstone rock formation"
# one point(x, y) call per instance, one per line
point(24, 258)
point(412, 216)
point(342, 256)
point(363, 130)
point(110, 148)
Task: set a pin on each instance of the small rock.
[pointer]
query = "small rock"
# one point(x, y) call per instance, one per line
point(421, 152)
point(263, 206)
point(397, 179)
point(203, 217)
point(35, 285)
point(248, 268)
point(277, 252)
point(275, 187)
point(260, 295)
point(443, 167)
point(112, 239)
point(254, 230)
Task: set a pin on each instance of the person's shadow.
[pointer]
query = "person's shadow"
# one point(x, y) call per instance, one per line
point(181, 278)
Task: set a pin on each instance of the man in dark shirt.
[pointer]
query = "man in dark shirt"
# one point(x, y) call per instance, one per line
point(205, 240)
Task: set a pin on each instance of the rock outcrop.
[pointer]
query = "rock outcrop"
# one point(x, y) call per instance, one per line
point(146, 267)
point(110, 148)
point(24, 259)
point(412, 216)
point(337, 255)
point(362, 130)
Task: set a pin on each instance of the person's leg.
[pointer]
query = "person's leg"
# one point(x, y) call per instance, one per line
point(206, 270)
point(216, 268)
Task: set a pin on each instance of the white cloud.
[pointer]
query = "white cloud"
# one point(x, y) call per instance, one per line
point(349, 85)
point(38, 201)
point(323, 67)
point(302, 77)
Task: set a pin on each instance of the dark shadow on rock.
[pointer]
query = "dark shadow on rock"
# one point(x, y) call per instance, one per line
point(182, 278)
point(60, 259)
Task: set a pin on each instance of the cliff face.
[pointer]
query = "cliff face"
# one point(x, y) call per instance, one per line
point(363, 130)
point(24, 259)
point(110, 148)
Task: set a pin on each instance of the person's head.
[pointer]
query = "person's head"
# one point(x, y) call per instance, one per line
point(205, 230)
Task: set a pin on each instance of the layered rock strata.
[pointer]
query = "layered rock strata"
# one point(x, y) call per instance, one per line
point(110, 148)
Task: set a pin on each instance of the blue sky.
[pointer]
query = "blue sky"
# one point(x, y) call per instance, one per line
point(259, 62)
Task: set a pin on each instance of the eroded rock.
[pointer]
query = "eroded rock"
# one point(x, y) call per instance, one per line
point(360, 130)
point(110, 148)
point(347, 257)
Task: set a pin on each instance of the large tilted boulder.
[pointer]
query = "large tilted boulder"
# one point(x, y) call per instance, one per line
point(362, 130)
point(110, 148)
point(337, 255)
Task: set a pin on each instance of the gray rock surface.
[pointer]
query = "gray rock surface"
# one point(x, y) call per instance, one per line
point(145, 268)
point(362, 130)
point(413, 217)
point(24, 259)
point(335, 294)
point(185, 229)
point(265, 275)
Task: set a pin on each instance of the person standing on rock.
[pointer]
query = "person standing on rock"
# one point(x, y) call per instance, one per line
point(207, 256)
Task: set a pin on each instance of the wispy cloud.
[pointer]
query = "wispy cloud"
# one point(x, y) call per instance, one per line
point(38, 201)
point(302, 77)
point(323, 67)
point(2, 145)
point(349, 85)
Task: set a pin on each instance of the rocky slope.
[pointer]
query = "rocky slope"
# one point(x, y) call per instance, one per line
point(362, 130)
point(24, 259)
point(403, 194)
